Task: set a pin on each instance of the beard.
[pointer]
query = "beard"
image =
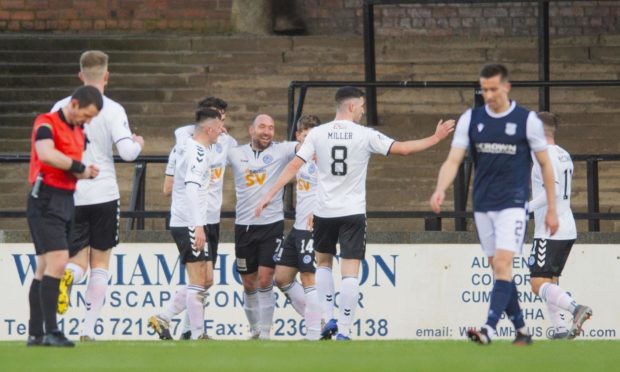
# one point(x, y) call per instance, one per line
point(261, 144)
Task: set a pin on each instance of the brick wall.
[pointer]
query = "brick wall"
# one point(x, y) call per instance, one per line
point(115, 15)
point(567, 18)
point(320, 16)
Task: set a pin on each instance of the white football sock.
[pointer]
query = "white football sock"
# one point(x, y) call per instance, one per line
point(552, 293)
point(251, 308)
point(196, 310)
point(312, 313)
point(349, 295)
point(325, 289)
point(556, 317)
point(78, 272)
point(178, 304)
point(266, 305)
point(295, 294)
point(95, 297)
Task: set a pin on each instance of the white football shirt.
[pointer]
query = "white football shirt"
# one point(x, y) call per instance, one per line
point(191, 167)
point(343, 149)
point(255, 174)
point(563, 173)
point(108, 128)
point(306, 194)
point(218, 153)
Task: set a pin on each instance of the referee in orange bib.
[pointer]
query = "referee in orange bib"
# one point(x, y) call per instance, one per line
point(55, 166)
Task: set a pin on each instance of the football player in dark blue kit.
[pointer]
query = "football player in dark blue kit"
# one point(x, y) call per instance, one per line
point(500, 137)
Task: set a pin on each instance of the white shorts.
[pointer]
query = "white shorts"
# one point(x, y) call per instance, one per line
point(503, 229)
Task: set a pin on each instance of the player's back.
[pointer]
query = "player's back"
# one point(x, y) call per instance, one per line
point(342, 149)
point(563, 174)
point(107, 128)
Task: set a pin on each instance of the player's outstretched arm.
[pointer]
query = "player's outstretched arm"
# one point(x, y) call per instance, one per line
point(551, 219)
point(444, 128)
point(446, 175)
point(168, 181)
point(287, 175)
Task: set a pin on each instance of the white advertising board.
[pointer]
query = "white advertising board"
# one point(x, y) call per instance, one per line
point(408, 291)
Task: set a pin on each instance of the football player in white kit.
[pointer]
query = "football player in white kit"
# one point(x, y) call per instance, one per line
point(549, 253)
point(256, 167)
point(297, 252)
point(188, 222)
point(342, 149)
point(97, 209)
point(218, 152)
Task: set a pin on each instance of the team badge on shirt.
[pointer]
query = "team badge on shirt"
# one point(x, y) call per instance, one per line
point(218, 148)
point(480, 127)
point(311, 168)
point(511, 129)
point(267, 159)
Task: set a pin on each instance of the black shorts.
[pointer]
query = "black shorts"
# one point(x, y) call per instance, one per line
point(548, 257)
point(50, 219)
point(213, 239)
point(297, 251)
point(256, 245)
point(184, 237)
point(95, 226)
point(350, 231)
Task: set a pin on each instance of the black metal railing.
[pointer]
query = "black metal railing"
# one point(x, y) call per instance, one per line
point(369, 46)
point(137, 214)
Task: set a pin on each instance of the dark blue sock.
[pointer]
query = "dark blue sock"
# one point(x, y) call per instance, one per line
point(500, 296)
point(513, 310)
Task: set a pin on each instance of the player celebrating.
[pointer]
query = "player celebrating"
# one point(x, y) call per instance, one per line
point(97, 201)
point(218, 152)
point(342, 149)
point(500, 136)
point(256, 167)
point(297, 252)
point(55, 164)
point(549, 254)
point(188, 222)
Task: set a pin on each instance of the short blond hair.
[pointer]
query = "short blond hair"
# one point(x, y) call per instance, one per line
point(93, 64)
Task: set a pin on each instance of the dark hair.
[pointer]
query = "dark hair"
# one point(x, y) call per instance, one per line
point(87, 95)
point(204, 113)
point(307, 122)
point(214, 103)
point(493, 69)
point(549, 119)
point(347, 92)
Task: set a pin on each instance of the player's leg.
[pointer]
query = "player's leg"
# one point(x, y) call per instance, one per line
point(35, 323)
point(352, 237)
point(558, 252)
point(49, 234)
point(284, 278)
point(247, 265)
point(196, 291)
point(312, 312)
point(79, 240)
point(325, 236)
point(213, 240)
point(540, 264)
point(486, 236)
point(95, 291)
point(285, 272)
point(103, 225)
point(160, 322)
point(510, 225)
point(271, 238)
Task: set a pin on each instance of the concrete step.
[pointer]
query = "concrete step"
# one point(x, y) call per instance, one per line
point(116, 80)
point(73, 68)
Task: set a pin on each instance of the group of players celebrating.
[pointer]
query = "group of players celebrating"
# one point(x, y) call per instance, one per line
point(329, 162)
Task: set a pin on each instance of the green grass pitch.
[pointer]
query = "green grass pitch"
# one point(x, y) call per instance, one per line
point(382, 356)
